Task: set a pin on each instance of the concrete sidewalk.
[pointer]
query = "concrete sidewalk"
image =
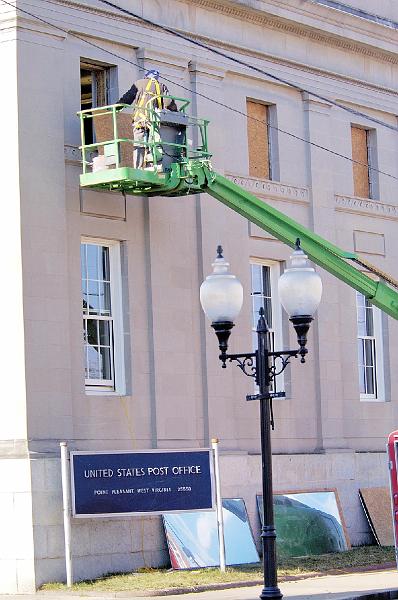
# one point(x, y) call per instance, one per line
point(334, 587)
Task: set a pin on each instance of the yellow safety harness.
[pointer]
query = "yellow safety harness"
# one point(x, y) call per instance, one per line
point(140, 117)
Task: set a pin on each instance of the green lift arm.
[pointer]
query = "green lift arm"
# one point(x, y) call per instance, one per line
point(193, 174)
point(323, 253)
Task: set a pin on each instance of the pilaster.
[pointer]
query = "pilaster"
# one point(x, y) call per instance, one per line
point(224, 390)
point(329, 385)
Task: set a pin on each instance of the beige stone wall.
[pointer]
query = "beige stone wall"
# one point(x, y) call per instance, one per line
point(177, 395)
point(100, 546)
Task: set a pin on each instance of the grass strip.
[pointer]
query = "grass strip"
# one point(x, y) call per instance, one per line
point(158, 579)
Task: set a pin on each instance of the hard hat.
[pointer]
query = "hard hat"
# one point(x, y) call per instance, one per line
point(152, 74)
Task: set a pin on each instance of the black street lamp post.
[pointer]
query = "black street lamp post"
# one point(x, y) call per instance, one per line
point(300, 290)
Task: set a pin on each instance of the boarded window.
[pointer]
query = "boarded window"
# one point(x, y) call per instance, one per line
point(258, 140)
point(360, 154)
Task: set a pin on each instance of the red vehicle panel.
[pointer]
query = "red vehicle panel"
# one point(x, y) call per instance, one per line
point(392, 452)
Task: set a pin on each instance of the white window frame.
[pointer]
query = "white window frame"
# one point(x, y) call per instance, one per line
point(378, 383)
point(276, 309)
point(118, 386)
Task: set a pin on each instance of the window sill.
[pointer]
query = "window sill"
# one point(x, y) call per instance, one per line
point(377, 400)
point(103, 393)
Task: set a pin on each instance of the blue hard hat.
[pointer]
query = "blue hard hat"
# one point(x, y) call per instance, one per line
point(152, 74)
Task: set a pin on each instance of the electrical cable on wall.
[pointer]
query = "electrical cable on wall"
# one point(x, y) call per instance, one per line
point(213, 100)
point(249, 66)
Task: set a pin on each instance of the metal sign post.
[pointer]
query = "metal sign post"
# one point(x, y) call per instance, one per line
point(220, 520)
point(65, 476)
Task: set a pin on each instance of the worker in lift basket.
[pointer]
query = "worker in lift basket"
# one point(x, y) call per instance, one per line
point(145, 95)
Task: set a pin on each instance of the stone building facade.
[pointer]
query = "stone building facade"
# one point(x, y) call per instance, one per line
point(165, 388)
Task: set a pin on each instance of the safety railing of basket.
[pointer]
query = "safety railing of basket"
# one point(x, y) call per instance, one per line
point(154, 143)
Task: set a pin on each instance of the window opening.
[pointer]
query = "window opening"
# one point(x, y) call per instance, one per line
point(94, 91)
point(362, 154)
point(264, 282)
point(370, 353)
point(99, 308)
point(258, 140)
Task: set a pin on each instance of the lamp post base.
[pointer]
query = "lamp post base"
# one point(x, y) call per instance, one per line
point(271, 593)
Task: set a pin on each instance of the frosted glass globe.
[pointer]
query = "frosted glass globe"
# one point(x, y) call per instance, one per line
point(300, 287)
point(221, 293)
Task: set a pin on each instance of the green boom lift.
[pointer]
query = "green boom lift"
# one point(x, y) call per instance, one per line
point(179, 168)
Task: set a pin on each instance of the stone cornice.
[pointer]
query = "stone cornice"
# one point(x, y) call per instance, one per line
point(206, 68)
point(246, 13)
point(22, 22)
point(163, 58)
point(244, 51)
point(366, 207)
point(264, 188)
point(259, 17)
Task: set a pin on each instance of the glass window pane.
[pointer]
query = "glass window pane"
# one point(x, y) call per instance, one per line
point(362, 386)
point(84, 296)
point(105, 362)
point(105, 298)
point(104, 272)
point(256, 279)
point(104, 333)
point(83, 260)
point(369, 380)
point(267, 281)
point(360, 299)
point(254, 341)
point(93, 362)
point(369, 353)
point(93, 297)
point(92, 261)
point(92, 332)
point(257, 304)
point(86, 369)
point(369, 321)
point(268, 311)
point(361, 353)
point(361, 320)
point(271, 341)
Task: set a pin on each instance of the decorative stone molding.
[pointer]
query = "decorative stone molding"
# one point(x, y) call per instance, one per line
point(271, 189)
point(259, 17)
point(25, 23)
point(207, 69)
point(311, 103)
point(364, 206)
point(148, 57)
